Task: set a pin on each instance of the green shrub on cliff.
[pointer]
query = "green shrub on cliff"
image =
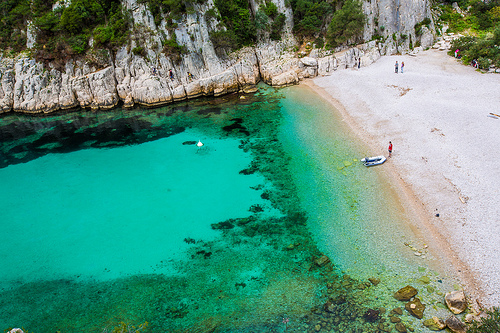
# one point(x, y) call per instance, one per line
point(277, 26)
point(310, 17)
point(115, 32)
point(347, 24)
point(237, 18)
point(66, 31)
point(267, 19)
point(223, 40)
point(13, 18)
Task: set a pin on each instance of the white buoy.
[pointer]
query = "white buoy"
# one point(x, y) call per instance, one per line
point(199, 145)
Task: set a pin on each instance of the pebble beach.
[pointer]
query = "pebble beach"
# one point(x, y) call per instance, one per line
point(443, 120)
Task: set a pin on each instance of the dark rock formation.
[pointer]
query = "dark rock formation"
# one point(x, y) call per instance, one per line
point(405, 293)
point(415, 308)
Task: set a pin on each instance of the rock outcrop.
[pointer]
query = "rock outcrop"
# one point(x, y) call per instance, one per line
point(155, 78)
point(415, 308)
point(455, 325)
point(405, 293)
point(456, 301)
point(435, 324)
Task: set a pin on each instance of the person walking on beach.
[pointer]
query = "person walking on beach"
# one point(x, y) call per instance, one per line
point(390, 148)
point(402, 66)
point(396, 68)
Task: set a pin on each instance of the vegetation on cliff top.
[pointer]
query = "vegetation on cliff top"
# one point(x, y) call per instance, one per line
point(480, 22)
point(72, 30)
point(63, 32)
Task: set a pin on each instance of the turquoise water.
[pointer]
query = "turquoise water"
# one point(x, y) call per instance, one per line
point(105, 213)
point(116, 219)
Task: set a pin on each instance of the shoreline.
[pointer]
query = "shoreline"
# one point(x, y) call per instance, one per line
point(412, 206)
point(366, 117)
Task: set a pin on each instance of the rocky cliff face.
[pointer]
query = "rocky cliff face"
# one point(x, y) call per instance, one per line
point(398, 18)
point(155, 78)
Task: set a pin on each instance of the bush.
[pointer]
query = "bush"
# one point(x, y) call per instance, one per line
point(223, 40)
point(66, 31)
point(172, 48)
point(170, 8)
point(277, 27)
point(78, 43)
point(261, 20)
point(235, 14)
point(81, 15)
point(310, 16)
point(418, 27)
point(320, 42)
point(271, 9)
point(347, 24)
point(115, 33)
point(481, 49)
point(13, 20)
point(490, 324)
point(139, 50)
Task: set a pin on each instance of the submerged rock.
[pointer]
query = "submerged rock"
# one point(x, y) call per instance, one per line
point(424, 279)
point(222, 225)
point(456, 301)
point(374, 281)
point(330, 306)
point(435, 324)
point(371, 315)
point(415, 308)
point(395, 319)
point(322, 261)
point(397, 311)
point(405, 293)
point(401, 328)
point(455, 325)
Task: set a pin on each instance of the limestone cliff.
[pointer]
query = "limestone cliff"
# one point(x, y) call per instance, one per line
point(154, 78)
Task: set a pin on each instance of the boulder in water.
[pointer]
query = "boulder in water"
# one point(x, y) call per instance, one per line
point(456, 301)
point(455, 325)
point(405, 293)
point(401, 328)
point(322, 261)
point(371, 315)
point(415, 308)
point(435, 324)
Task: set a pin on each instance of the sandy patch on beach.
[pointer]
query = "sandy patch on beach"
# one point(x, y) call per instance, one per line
point(446, 152)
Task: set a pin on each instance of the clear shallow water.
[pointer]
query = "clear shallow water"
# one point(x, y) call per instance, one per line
point(117, 217)
point(348, 205)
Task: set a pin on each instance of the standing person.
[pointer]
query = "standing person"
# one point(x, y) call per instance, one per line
point(390, 148)
point(171, 75)
point(402, 66)
point(456, 53)
point(359, 62)
point(396, 68)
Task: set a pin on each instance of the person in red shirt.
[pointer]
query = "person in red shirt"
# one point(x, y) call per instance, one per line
point(390, 148)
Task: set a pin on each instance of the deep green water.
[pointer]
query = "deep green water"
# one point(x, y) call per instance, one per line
point(118, 218)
